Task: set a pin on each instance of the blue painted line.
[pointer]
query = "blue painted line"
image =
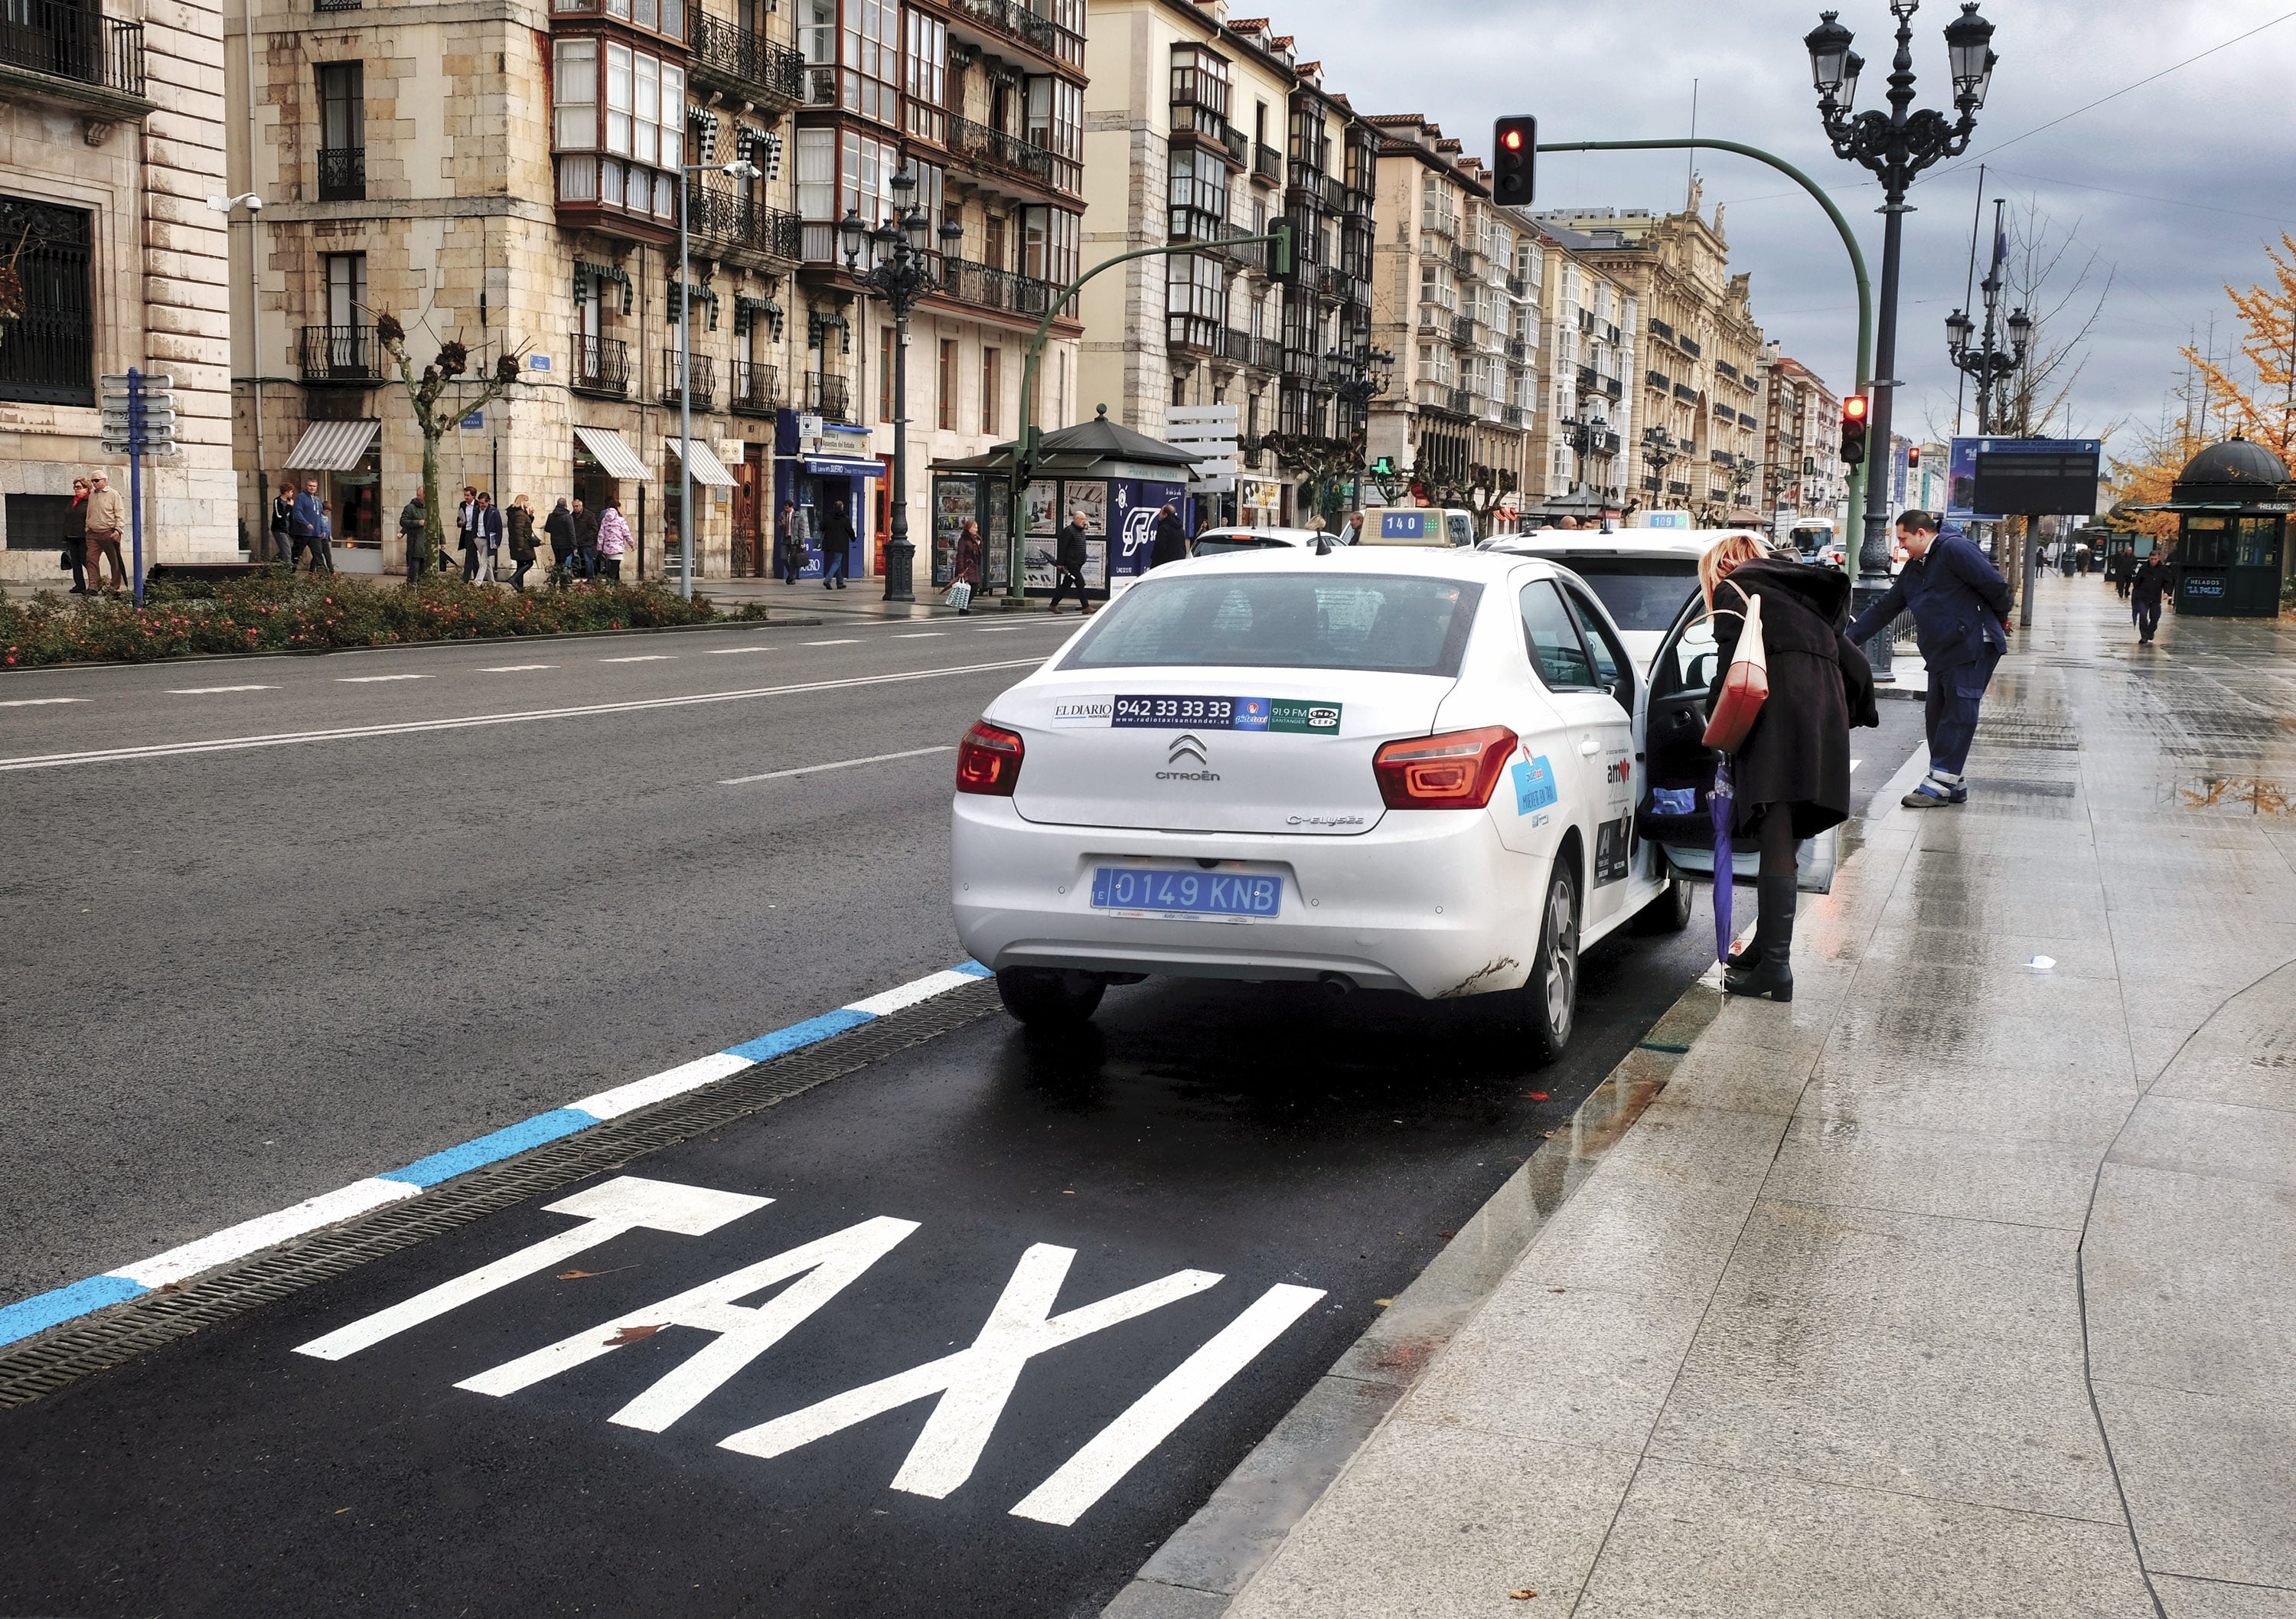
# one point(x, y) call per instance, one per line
point(27, 1317)
point(42, 1311)
point(810, 1032)
point(507, 1142)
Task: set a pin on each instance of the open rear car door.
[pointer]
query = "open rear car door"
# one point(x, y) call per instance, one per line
point(1675, 808)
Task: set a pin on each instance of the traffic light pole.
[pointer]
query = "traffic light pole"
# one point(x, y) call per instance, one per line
point(1860, 476)
point(1024, 448)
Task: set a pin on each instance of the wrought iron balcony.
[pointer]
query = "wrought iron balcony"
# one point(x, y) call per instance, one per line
point(1267, 163)
point(1519, 286)
point(340, 355)
point(1253, 353)
point(1460, 403)
point(1688, 396)
point(1657, 380)
point(723, 49)
point(976, 286)
point(73, 43)
point(756, 388)
point(702, 375)
point(1463, 259)
point(1518, 349)
point(602, 365)
point(1017, 22)
point(1014, 155)
point(722, 212)
point(1463, 332)
point(1512, 416)
point(830, 397)
point(1688, 345)
point(342, 173)
point(1237, 144)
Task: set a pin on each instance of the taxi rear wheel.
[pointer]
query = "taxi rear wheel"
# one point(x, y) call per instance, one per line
point(1050, 997)
point(1551, 997)
point(1670, 912)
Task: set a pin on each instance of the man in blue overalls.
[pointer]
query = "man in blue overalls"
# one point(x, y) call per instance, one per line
point(1960, 619)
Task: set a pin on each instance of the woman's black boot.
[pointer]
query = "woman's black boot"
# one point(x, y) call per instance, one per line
point(1767, 973)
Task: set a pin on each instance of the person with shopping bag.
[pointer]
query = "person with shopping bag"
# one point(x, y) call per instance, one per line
point(964, 574)
point(1787, 688)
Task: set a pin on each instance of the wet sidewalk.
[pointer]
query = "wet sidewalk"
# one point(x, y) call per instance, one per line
point(1966, 1284)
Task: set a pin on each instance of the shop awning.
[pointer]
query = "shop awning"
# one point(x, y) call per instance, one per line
point(707, 467)
point(332, 447)
point(618, 459)
point(843, 466)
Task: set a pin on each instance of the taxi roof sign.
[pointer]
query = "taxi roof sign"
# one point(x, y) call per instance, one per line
point(1408, 526)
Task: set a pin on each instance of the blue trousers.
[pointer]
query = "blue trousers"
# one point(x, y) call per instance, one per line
point(1955, 692)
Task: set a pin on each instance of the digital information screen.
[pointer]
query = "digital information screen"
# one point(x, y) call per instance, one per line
point(2037, 479)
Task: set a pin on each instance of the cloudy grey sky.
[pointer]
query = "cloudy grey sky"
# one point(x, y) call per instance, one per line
point(2178, 185)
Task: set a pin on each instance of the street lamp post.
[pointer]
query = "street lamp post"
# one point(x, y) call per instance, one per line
point(740, 169)
point(1359, 375)
point(1660, 450)
point(257, 535)
point(1896, 146)
point(900, 272)
point(1990, 363)
point(1582, 434)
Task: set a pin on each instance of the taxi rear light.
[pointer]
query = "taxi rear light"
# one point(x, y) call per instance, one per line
point(988, 760)
point(1455, 770)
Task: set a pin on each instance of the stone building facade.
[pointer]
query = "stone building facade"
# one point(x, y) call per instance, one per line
point(1698, 358)
point(1582, 461)
point(1202, 129)
point(111, 143)
point(1453, 298)
point(1802, 474)
point(506, 177)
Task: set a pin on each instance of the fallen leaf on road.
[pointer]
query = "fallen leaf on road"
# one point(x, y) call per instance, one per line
point(583, 1276)
point(340, 1510)
point(1446, 1235)
point(1536, 1096)
point(1382, 1304)
point(1524, 1595)
point(631, 1334)
point(1555, 1290)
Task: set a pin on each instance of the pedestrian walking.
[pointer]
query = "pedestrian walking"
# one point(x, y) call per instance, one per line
point(585, 541)
point(519, 526)
point(788, 550)
point(322, 542)
point(468, 526)
point(413, 521)
point(1960, 619)
point(490, 531)
point(559, 527)
point(282, 516)
point(1068, 558)
point(107, 520)
point(2145, 592)
point(303, 525)
point(2081, 558)
point(836, 545)
point(1170, 544)
point(965, 573)
point(1791, 774)
point(76, 536)
point(614, 540)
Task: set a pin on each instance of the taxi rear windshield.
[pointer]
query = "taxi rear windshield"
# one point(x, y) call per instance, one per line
point(1391, 625)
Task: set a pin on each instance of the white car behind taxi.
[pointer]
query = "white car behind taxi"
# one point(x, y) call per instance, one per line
point(1373, 767)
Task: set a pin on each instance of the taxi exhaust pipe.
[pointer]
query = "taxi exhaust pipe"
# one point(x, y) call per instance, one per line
point(1337, 984)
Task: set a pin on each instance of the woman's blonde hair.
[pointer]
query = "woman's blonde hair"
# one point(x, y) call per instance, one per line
point(1723, 555)
point(521, 500)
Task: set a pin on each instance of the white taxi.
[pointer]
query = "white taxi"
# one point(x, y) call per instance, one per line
point(1370, 766)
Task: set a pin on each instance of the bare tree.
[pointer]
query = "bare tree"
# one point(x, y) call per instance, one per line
point(433, 419)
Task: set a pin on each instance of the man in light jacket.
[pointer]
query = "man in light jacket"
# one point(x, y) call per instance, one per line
point(107, 520)
point(1960, 619)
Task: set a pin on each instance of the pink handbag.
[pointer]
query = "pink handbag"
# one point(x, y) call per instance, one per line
point(1745, 687)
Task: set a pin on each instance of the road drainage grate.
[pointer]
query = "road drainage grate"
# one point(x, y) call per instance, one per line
point(42, 1365)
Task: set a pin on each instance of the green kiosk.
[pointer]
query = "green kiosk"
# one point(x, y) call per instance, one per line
point(2232, 503)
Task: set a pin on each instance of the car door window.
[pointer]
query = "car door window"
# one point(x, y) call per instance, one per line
point(1463, 528)
point(1689, 661)
point(1611, 660)
point(1550, 636)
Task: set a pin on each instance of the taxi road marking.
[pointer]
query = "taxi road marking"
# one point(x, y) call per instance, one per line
point(27, 702)
point(371, 679)
point(849, 641)
point(647, 657)
point(515, 668)
point(203, 691)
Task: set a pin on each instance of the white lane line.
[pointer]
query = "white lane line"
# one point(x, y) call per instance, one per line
point(1853, 764)
point(648, 657)
point(203, 691)
point(840, 764)
point(33, 702)
point(727, 652)
point(1152, 1419)
point(415, 727)
point(998, 629)
point(921, 635)
point(371, 679)
point(515, 668)
point(849, 642)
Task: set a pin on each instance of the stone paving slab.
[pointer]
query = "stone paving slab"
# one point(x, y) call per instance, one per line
point(1961, 1286)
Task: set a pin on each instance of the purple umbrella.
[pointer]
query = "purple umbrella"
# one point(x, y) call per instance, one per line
point(1719, 804)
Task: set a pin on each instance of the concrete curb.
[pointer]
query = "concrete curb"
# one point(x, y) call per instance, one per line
point(1197, 1571)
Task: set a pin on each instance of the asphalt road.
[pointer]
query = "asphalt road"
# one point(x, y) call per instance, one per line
point(311, 961)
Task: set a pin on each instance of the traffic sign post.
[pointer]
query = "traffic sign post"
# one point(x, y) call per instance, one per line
point(1207, 432)
point(138, 419)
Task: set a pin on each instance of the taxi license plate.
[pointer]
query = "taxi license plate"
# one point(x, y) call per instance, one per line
point(1199, 894)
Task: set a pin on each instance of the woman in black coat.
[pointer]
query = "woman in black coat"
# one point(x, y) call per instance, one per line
point(1791, 774)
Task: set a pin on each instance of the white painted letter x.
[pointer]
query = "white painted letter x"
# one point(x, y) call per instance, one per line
point(608, 1209)
point(973, 1383)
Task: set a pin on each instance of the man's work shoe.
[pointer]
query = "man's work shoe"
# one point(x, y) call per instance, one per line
point(1928, 795)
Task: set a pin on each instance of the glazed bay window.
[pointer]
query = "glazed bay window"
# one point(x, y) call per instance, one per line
point(1049, 239)
point(617, 126)
point(1199, 91)
point(1055, 122)
point(925, 74)
point(1195, 299)
point(872, 59)
point(657, 16)
point(1198, 196)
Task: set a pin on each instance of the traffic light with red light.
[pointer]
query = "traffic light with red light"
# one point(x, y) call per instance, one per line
point(1514, 146)
point(1855, 411)
point(1914, 456)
